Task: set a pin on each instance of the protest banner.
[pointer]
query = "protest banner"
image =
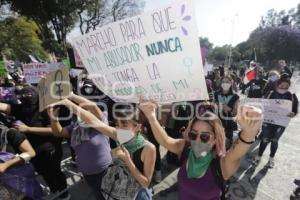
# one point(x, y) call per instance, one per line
point(3, 70)
point(33, 72)
point(274, 110)
point(54, 87)
point(156, 54)
point(7, 94)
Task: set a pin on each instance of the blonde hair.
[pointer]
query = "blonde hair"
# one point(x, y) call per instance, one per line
point(218, 130)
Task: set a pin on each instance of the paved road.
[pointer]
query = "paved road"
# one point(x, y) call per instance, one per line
point(248, 183)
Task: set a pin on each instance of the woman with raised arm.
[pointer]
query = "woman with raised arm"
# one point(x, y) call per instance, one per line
point(91, 147)
point(138, 154)
point(205, 165)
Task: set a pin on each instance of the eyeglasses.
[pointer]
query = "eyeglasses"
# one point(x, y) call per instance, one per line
point(204, 136)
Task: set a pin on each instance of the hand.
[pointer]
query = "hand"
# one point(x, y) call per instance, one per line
point(148, 107)
point(250, 120)
point(291, 114)
point(122, 154)
point(3, 168)
point(23, 128)
point(53, 113)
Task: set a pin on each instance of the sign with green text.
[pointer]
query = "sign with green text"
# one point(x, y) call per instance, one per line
point(156, 54)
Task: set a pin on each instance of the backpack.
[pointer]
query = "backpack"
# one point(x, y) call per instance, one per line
point(20, 178)
point(118, 183)
point(216, 171)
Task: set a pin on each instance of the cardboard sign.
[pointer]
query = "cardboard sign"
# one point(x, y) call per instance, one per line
point(274, 110)
point(33, 72)
point(3, 70)
point(155, 55)
point(54, 88)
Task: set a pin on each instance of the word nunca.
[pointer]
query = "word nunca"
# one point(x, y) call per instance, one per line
point(160, 47)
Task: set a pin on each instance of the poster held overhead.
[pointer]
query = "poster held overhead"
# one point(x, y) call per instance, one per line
point(155, 54)
point(54, 87)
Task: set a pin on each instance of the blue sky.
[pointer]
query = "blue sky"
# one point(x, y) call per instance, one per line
point(225, 21)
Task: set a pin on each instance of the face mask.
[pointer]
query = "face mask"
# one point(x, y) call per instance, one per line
point(124, 135)
point(226, 86)
point(200, 149)
point(26, 100)
point(273, 78)
point(282, 91)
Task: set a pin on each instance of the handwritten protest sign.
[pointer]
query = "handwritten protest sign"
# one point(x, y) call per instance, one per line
point(156, 54)
point(274, 110)
point(3, 70)
point(55, 87)
point(33, 72)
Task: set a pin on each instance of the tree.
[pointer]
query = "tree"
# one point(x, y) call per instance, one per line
point(108, 11)
point(19, 38)
point(204, 42)
point(53, 16)
point(282, 42)
point(219, 53)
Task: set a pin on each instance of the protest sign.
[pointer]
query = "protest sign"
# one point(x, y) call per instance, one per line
point(7, 94)
point(155, 54)
point(3, 70)
point(54, 88)
point(33, 72)
point(78, 61)
point(274, 110)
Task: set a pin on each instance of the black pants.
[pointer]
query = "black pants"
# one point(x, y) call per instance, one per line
point(94, 181)
point(270, 134)
point(47, 164)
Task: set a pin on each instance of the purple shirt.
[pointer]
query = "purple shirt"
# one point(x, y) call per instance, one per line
point(93, 153)
point(204, 188)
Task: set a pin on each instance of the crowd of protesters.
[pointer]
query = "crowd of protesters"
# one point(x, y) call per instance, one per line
point(118, 151)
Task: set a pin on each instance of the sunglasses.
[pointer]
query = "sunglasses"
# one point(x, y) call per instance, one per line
point(204, 136)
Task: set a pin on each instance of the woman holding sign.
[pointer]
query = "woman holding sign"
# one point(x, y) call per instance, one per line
point(137, 154)
point(204, 166)
point(271, 132)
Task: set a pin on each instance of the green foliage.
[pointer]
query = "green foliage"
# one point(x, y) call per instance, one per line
point(19, 38)
point(204, 42)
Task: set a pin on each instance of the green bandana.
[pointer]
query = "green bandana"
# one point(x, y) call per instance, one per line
point(135, 144)
point(197, 166)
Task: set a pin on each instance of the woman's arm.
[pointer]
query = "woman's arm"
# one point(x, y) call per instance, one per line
point(5, 108)
point(87, 105)
point(27, 153)
point(174, 145)
point(43, 131)
point(250, 120)
point(57, 129)
point(148, 158)
point(91, 119)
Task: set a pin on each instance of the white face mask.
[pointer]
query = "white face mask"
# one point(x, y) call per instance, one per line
point(124, 135)
point(200, 149)
point(281, 91)
point(226, 86)
point(273, 78)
